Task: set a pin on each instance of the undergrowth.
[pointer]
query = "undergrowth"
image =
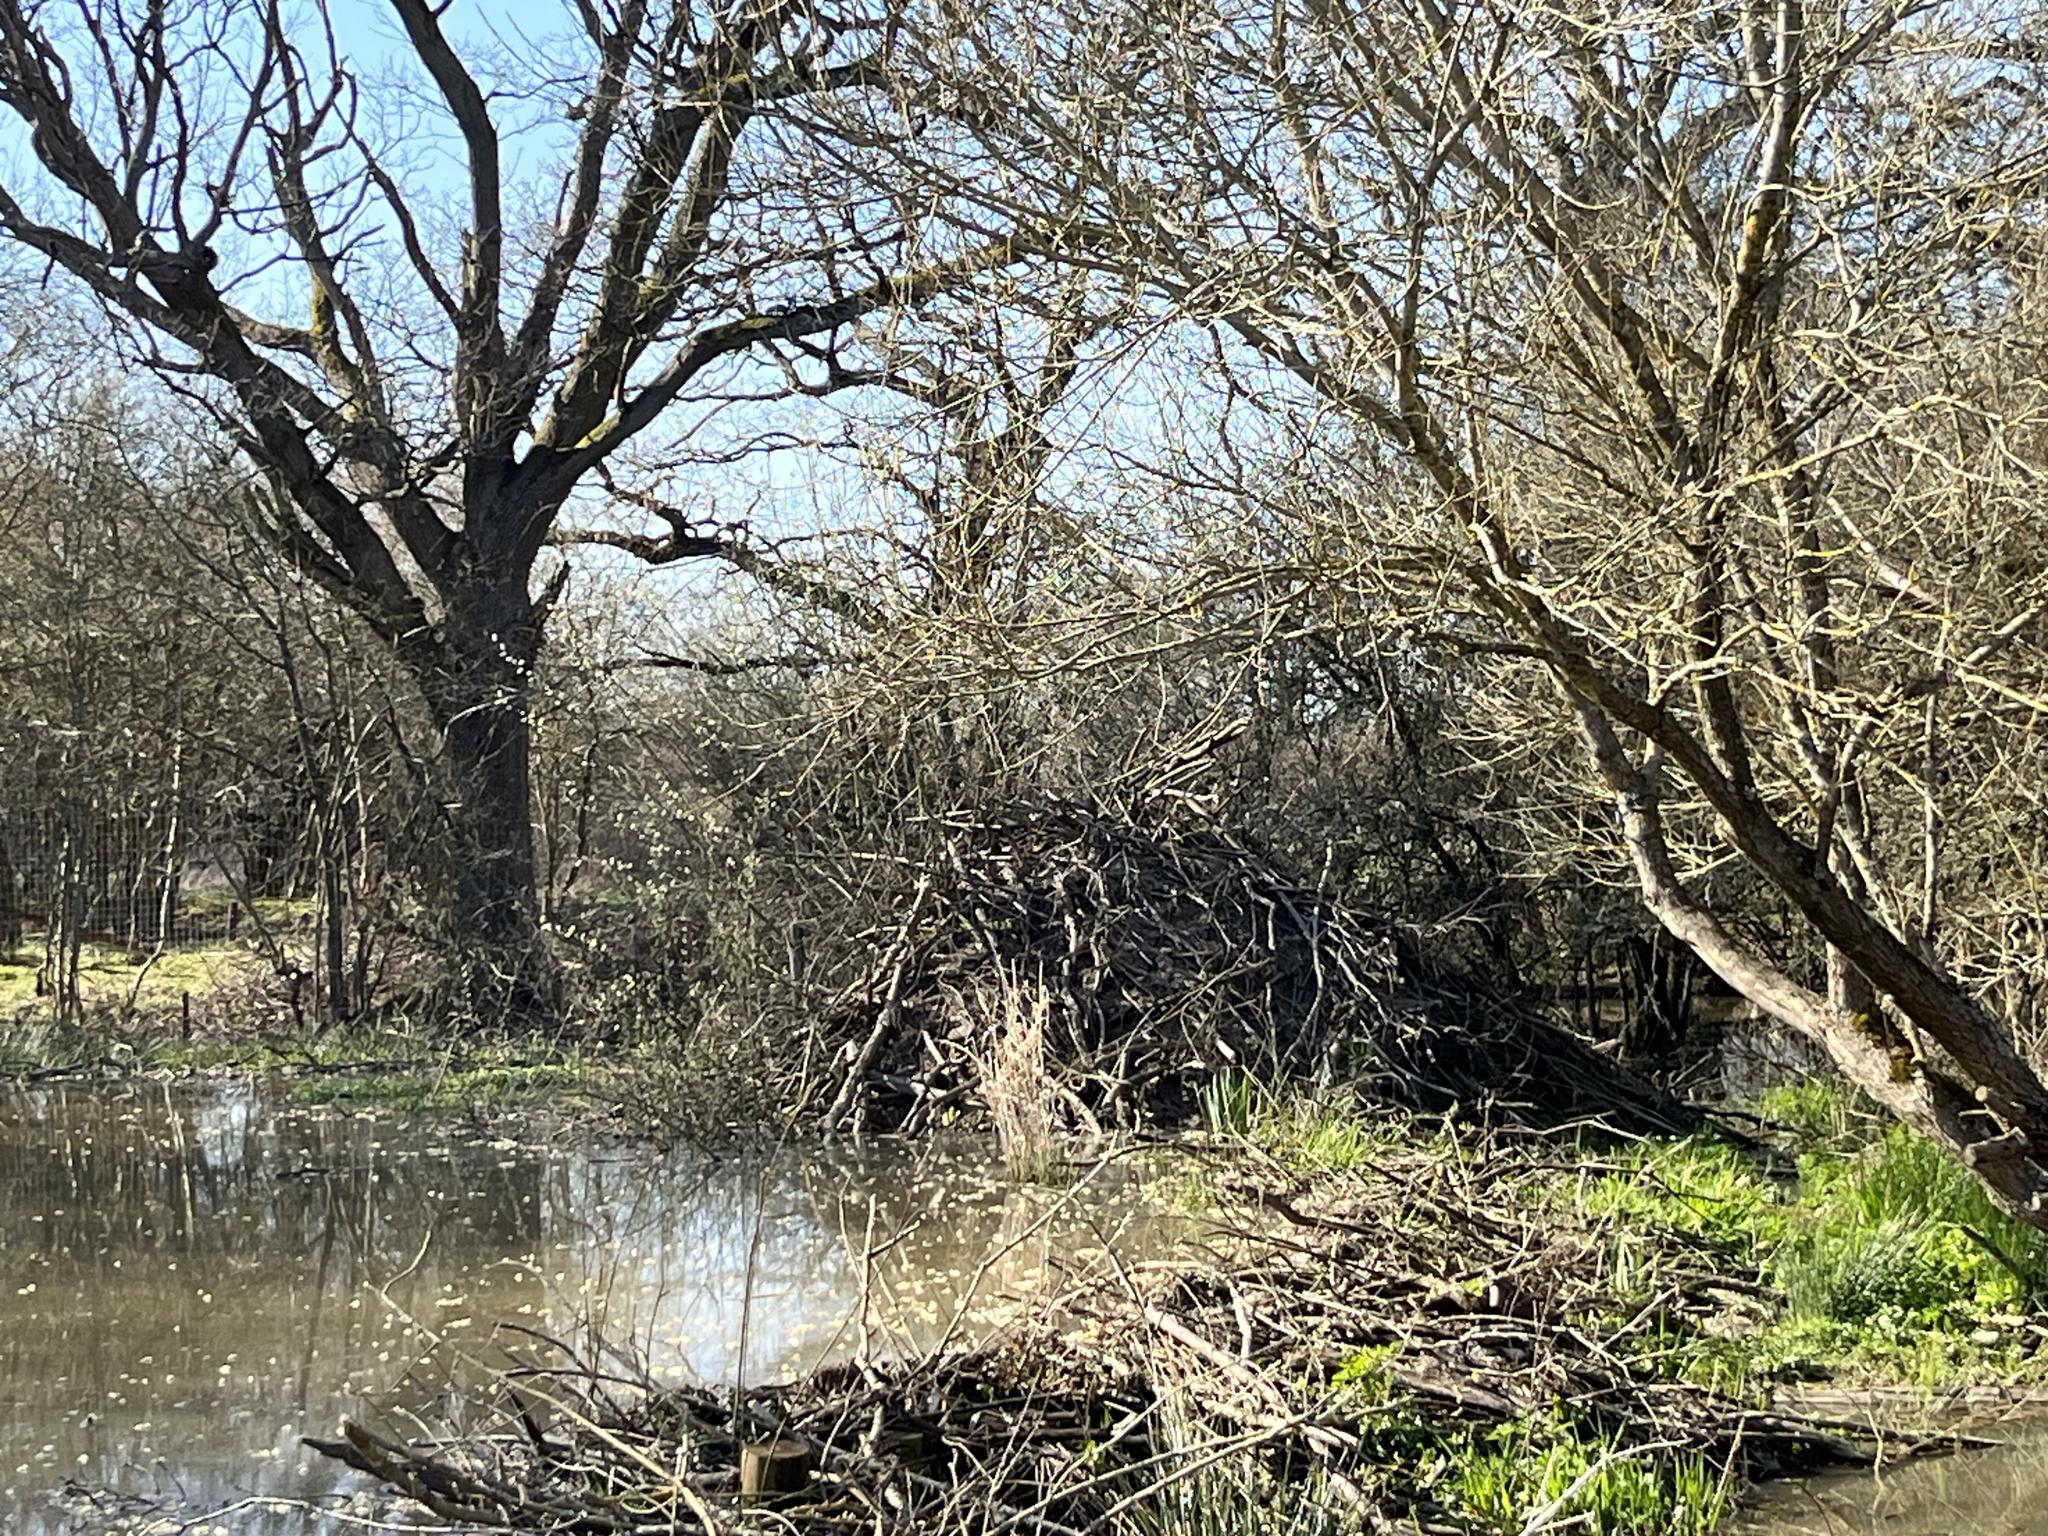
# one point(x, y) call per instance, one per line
point(1556, 1473)
point(1888, 1262)
point(1853, 1251)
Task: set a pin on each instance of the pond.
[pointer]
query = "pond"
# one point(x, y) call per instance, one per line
point(194, 1275)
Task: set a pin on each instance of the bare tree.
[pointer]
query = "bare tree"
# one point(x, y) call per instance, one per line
point(1687, 356)
point(508, 263)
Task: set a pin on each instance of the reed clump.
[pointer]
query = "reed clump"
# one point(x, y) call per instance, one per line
point(1015, 1082)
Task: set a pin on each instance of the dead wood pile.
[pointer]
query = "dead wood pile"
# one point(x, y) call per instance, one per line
point(1337, 1342)
point(1150, 951)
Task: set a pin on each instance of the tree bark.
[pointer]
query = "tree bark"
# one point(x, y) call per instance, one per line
point(478, 686)
point(10, 904)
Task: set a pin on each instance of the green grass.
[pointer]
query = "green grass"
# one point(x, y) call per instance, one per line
point(108, 973)
point(211, 958)
point(1582, 1481)
point(1705, 1189)
point(1309, 1134)
point(196, 906)
point(1900, 1229)
point(449, 1085)
point(1816, 1114)
point(1892, 1264)
point(1230, 1103)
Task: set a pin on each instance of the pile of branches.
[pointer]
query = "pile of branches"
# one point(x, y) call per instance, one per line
point(1145, 951)
point(1333, 1346)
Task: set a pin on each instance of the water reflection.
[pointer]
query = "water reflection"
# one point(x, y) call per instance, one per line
point(2002, 1492)
point(191, 1277)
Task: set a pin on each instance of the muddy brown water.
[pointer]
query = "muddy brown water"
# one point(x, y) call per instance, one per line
point(192, 1276)
point(1998, 1492)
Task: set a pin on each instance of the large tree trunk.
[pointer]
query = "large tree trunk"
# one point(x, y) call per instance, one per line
point(480, 694)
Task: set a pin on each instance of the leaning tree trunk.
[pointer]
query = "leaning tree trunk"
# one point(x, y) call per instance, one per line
point(1897, 1024)
point(479, 690)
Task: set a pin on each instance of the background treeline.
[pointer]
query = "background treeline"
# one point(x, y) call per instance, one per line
point(745, 788)
point(902, 538)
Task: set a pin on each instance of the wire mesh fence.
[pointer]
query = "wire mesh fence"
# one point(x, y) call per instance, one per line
point(137, 877)
point(132, 897)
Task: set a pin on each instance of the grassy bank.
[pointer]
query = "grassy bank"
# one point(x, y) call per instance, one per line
point(1861, 1254)
point(114, 979)
point(214, 1004)
point(1830, 1249)
point(1884, 1262)
point(390, 1064)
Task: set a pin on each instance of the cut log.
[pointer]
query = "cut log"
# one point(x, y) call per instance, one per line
point(912, 1448)
point(769, 1468)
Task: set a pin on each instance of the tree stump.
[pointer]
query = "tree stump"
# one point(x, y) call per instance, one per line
point(912, 1448)
point(769, 1468)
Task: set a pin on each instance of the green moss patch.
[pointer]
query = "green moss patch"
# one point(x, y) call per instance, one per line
point(448, 1086)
